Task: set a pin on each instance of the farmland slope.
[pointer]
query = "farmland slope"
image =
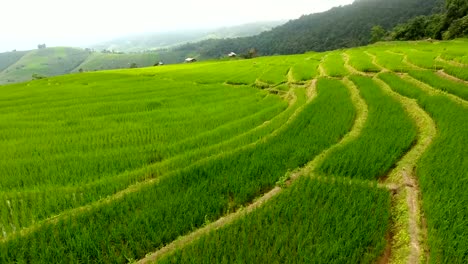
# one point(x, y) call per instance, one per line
point(358, 146)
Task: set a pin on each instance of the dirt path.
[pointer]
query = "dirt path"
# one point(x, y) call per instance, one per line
point(406, 214)
point(450, 77)
point(451, 62)
point(322, 72)
point(290, 76)
point(361, 117)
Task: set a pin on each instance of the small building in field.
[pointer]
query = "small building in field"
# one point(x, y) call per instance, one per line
point(232, 55)
point(190, 60)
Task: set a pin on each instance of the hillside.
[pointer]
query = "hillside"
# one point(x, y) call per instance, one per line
point(43, 62)
point(104, 61)
point(9, 58)
point(350, 156)
point(340, 27)
point(154, 41)
point(20, 66)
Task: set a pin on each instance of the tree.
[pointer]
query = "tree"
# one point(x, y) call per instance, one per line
point(377, 33)
point(133, 65)
point(414, 29)
point(458, 28)
point(456, 9)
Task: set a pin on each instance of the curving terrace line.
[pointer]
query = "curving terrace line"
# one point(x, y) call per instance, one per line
point(408, 196)
point(139, 185)
point(361, 117)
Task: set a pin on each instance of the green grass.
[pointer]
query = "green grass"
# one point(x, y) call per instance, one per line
point(106, 61)
point(423, 59)
point(391, 61)
point(159, 213)
point(387, 134)
point(441, 83)
point(359, 60)
point(442, 174)
point(301, 226)
point(334, 65)
point(459, 72)
point(306, 69)
point(154, 126)
point(127, 161)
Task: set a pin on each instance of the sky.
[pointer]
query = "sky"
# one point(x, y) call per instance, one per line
point(26, 23)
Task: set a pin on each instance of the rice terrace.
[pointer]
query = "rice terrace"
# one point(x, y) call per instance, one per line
point(349, 156)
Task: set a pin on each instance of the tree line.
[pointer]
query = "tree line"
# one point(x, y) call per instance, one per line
point(341, 27)
point(451, 22)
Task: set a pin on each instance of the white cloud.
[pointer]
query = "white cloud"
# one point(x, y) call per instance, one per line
point(26, 23)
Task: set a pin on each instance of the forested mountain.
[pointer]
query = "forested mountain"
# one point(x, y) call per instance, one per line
point(453, 23)
point(340, 27)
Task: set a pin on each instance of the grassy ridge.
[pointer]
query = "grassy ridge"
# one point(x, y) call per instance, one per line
point(438, 82)
point(300, 226)
point(307, 68)
point(359, 60)
point(158, 214)
point(83, 157)
point(387, 134)
point(442, 174)
point(131, 159)
point(334, 65)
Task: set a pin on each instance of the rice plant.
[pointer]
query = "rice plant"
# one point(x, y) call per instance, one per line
point(442, 174)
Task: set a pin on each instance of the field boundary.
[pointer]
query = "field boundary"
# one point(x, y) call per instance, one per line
point(151, 181)
point(432, 91)
point(361, 117)
point(407, 216)
point(353, 70)
point(442, 73)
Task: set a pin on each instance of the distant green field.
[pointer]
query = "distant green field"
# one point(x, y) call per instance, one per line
point(43, 62)
point(112, 166)
point(9, 58)
point(20, 66)
point(106, 61)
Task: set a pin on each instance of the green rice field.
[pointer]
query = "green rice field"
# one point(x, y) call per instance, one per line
point(281, 159)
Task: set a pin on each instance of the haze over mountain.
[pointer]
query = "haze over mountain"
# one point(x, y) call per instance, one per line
point(339, 27)
point(151, 41)
point(80, 23)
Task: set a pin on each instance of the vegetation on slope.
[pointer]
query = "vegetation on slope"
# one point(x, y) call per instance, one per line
point(300, 226)
point(106, 61)
point(442, 173)
point(438, 82)
point(9, 58)
point(42, 63)
point(159, 152)
point(340, 27)
point(386, 136)
point(158, 213)
point(449, 23)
